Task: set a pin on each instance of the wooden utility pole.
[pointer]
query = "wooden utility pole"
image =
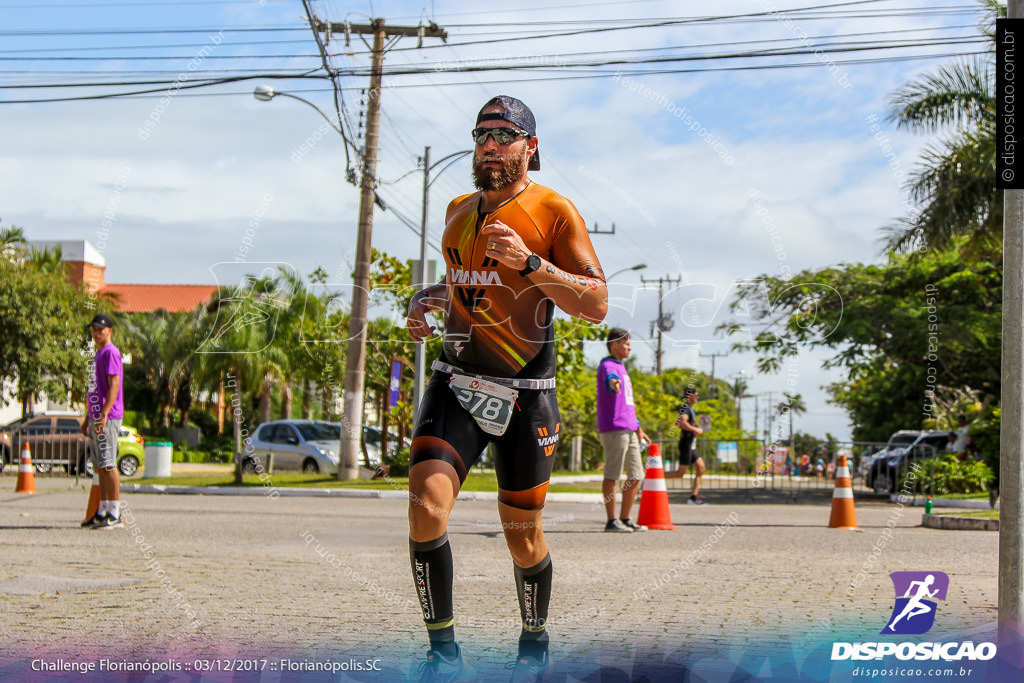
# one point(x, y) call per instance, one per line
point(713, 356)
point(1011, 438)
point(355, 356)
point(662, 324)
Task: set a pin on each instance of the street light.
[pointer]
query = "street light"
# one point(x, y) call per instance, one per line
point(265, 93)
point(639, 266)
point(421, 352)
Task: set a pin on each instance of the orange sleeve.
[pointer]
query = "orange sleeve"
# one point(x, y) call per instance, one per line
point(571, 248)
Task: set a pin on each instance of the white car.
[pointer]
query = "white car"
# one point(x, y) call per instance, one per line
point(306, 445)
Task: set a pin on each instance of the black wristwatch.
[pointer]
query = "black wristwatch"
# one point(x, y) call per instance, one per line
point(532, 265)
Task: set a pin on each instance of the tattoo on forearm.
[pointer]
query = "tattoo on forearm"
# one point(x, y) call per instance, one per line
point(568, 277)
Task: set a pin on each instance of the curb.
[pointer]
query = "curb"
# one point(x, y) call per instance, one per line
point(959, 523)
point(961, 503)
point(332, 493)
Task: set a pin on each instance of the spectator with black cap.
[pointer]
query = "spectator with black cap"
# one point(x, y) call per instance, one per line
point(105, 411)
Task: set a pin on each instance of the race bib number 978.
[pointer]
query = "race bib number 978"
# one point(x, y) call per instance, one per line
point(490, 404)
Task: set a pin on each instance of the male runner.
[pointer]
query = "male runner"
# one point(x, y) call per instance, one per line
point(688, 457)
point(513, 251)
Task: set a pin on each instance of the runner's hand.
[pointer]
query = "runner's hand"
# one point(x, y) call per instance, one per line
point(505, 245)
point(416, 320)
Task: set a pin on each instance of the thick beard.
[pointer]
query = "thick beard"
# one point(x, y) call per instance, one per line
point(513, 169)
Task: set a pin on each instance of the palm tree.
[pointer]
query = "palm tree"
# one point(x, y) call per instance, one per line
point(238, 343)
point(954, 183)
point(12, 242)
point(163, 344)
point(740, 386)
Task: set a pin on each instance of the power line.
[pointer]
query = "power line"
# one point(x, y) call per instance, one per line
point(607, 74)
point(756, 54)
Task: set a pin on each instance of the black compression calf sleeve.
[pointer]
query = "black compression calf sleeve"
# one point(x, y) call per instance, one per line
point(432, 575)
point(534, 587)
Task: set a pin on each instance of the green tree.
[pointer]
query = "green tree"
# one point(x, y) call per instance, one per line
point(902, 330)
point(44, 320)
point(238, 333)
point(954, 183)
point(162, 346)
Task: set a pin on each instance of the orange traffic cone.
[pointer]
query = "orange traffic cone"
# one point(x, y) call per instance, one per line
point(26, 479)
point(93, 506)
point(654, 513)
point(843, 514)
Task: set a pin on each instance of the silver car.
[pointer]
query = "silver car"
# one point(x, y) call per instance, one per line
point(306, 445)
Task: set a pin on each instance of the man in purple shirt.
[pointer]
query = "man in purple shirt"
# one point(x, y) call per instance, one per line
point(620, 432)
point(103, 420)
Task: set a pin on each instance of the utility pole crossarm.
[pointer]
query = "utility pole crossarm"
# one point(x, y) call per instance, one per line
point(432, 30)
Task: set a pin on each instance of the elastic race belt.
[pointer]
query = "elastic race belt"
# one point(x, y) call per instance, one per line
point(531, 384)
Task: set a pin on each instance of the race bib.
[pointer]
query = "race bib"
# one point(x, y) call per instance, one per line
point(490, 404)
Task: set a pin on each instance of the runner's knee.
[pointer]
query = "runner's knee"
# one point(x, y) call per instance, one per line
point(530, 499)
point(426, 449)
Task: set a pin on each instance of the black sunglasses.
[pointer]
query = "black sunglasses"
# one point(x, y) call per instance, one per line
point(502, 136)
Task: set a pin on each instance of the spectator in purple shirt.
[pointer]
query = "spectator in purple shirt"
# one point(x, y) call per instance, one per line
point(103, 420)
point(620, 432)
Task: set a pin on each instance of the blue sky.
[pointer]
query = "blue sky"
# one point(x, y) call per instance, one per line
point(216, 163)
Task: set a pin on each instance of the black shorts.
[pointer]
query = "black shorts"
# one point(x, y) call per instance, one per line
point(523, 455)
point(687, 454)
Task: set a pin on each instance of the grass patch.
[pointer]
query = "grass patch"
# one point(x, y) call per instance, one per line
point(477, 481)
point(981, 514)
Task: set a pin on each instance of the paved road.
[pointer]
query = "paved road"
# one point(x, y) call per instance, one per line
point(321, 579)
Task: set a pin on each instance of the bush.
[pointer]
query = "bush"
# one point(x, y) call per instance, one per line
point(217, 450)
point(398, 462)
point(947, 474)
point(205, 421)
point(136, 420)
point(985, 440)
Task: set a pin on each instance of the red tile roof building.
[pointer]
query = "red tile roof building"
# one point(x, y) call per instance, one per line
point(85, 264)
point(151, 298)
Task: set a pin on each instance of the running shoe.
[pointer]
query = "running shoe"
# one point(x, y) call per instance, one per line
point(98, 522)
point(439, 669)
point(527, 669)
point(633, 525)
point(112, 523)
point(616, 527)
point(696, 500)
